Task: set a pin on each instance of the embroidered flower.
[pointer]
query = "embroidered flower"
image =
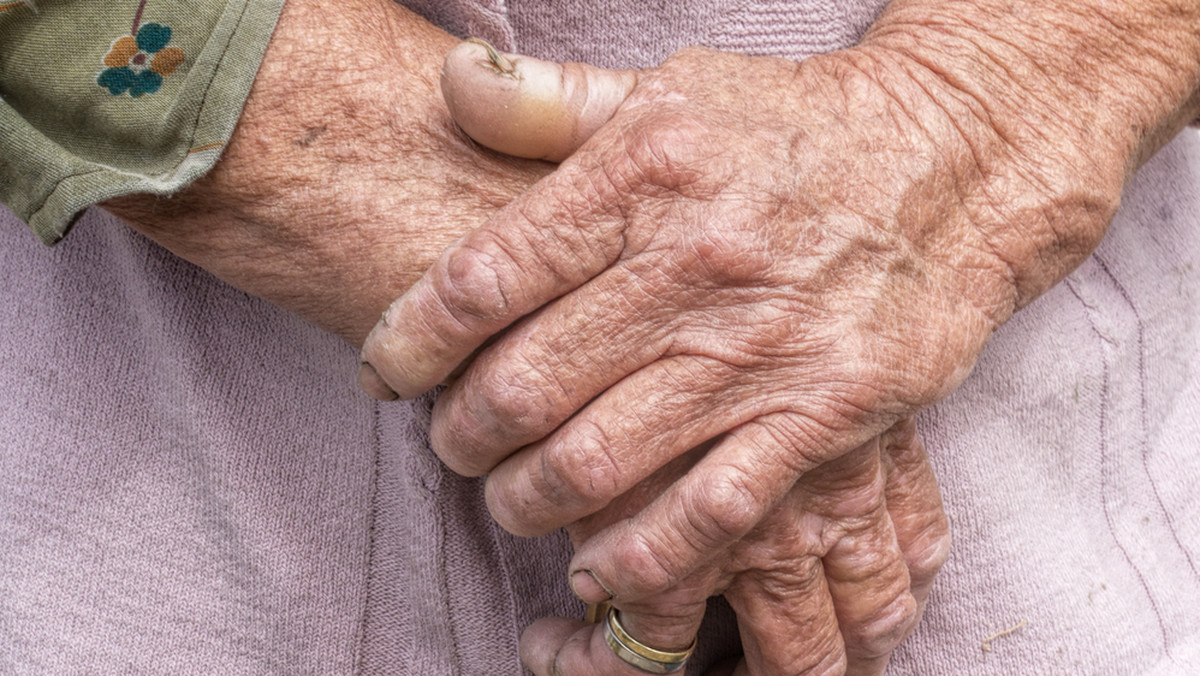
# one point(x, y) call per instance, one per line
point(138, 64)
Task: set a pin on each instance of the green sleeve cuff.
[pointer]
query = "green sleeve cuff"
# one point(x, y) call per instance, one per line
point(101, 99)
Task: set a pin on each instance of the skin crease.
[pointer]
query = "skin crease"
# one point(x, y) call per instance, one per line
point(797, 255)
point(311, 209)
point(841, 543)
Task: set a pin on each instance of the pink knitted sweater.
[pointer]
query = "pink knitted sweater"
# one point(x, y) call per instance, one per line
point(162, 512)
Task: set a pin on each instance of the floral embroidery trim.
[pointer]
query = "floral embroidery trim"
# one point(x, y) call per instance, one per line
point(138, 62)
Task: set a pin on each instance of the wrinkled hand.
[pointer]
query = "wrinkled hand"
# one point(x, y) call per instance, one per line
point(750, 246)
point(333, 202)
point(830, 581)
point(796, 254)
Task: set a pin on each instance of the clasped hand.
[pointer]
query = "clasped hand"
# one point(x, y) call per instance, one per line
point(769, 256)
point(699, 342)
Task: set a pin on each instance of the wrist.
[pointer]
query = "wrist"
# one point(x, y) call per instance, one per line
point(345, 177)
point(1057, 112)
point(1114, 80)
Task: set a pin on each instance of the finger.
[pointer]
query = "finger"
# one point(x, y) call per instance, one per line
point(634, 500)
point(544, 244)
point(865, 568)
point(668, 623)
point(714, 505)
point(915, 505)
point(625, 434)
point(372, 384)
point(786, 619)
point(527, 107)
point(561, 647)
point(531, 252)
point(550, 643)
point(540, 372)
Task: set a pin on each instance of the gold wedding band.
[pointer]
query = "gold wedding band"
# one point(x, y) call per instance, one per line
point(635, 653)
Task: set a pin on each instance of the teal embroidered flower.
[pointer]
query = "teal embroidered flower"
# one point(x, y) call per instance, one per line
point(138, 63)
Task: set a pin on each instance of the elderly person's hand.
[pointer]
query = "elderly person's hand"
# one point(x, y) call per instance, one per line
point(345, 179)
point(796, 254)
point(830, 581)
point(836, 576)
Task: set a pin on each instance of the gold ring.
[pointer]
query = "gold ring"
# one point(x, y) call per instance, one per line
point(635, 653)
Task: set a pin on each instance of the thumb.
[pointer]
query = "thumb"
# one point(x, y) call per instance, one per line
point(527, 107)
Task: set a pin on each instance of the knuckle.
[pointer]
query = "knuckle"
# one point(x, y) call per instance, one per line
point(476, 282)
point(879, 634)
point(734, 255)
point(724, 507)
point(504, 396)
point(929, 552)
point(646, 569)
point(668, 153)
point(583, 470)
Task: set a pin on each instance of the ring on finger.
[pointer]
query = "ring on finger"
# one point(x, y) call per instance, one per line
point(635, 653)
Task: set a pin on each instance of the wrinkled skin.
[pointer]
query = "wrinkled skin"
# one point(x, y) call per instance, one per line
point(829, 582)
point(830, 608)
point(803, 292)
point(790, 257)
point(312, 209)
point(345, 177)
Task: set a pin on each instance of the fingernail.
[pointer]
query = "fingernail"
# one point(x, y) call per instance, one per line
point(372, 384)
point(588, 588)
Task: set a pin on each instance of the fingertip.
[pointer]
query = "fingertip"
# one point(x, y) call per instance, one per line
point(400, 362)
point(542, 641)
point(588, 588)
point(506, 496)
point(373, 385)
point(527, 107)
